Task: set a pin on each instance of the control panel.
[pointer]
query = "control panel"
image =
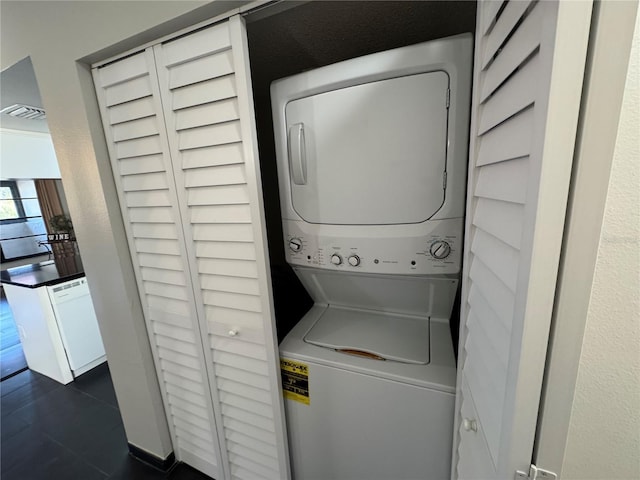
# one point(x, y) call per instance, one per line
point(436, 250)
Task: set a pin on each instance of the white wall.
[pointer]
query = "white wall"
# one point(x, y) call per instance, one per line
point(604, 431)
point(27, 155)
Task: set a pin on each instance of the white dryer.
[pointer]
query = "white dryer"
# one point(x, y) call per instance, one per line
point(372, 156)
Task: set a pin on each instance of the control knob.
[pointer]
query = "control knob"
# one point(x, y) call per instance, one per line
point(440, 249)
point(336, 259)
point(295, 244)
point(354, 260)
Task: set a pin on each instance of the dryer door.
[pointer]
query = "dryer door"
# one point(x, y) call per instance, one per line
point(371, 154)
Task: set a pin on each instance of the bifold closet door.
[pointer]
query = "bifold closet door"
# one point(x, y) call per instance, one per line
point(208, 107)
point(180, 126)
point(528, 70)
point(134, 127)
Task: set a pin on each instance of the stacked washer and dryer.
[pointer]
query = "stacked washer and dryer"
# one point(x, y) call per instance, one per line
point(372, 160)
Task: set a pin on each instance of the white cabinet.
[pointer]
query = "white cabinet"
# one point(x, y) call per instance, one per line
point(179, 123)
point(58, 328)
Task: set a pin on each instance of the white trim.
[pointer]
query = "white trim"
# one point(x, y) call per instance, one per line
point(568, 47)
point(612, 29)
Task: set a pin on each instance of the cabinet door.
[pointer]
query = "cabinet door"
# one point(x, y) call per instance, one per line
point(206, 94)
point(529, 65)
point(134, 127)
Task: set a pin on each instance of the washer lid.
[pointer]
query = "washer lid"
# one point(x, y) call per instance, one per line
point(389, 336)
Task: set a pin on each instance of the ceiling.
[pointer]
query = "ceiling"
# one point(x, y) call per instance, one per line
point(18, 85)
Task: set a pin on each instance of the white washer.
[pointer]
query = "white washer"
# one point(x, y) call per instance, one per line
point(372, 156)
point(385, 415)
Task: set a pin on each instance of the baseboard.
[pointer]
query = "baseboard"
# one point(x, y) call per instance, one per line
point(163, 464)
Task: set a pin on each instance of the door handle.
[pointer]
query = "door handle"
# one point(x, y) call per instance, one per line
point(470, 425)
point(297, 154)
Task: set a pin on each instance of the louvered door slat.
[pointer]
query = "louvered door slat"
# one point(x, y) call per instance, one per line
point(505, 181)
point(165, 290)
point(503, 220)
point(253, 432)
point(123, 71)
point(147, 181)
point(487, 16)
point(208, 135)
point(190, 418)
point(157, 198)
point(134, 127)
point(502, 258)
point(219, 195)
point(127, 91)
point(235, 318)
point(529, 65)
point(497, 332)
point(213, 148)
point(245, 391)
point(508, 140)
point(148, 164)
point(224, 344)
point(194, 430)
point(221, 214)
point(163, 276)
point(503, 27)
point(228, 250)
point(132, 110)
point(223, 283)
point(204, 92)
point(223, 154)
point(243, 469)
point(524, 42)
point(142, 127)
point(203, 43)
point(165, 247)
point(188, 406)
point(208, 114)
point(497, 294)
point(514, 96)
point(201, 69)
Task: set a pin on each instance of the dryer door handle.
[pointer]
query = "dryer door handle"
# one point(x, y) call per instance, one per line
point(297, 154)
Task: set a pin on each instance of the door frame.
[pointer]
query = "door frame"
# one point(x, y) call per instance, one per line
point(612, 29)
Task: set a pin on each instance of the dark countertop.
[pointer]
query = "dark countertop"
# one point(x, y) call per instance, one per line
point(44, 274)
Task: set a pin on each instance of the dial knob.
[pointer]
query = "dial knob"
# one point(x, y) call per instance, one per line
point(440, 249)
point(295, 244)
point(354, 260)
point(336, 259)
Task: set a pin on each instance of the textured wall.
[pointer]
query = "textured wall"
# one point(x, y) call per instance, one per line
point(604, 436)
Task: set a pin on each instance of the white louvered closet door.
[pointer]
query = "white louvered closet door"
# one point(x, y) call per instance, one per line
point(206, 93)
point(529, 64)
point(134, 127)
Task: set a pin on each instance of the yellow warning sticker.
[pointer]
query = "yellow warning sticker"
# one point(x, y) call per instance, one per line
point(295, 380)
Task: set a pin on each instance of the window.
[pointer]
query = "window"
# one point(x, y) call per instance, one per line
point(11, 209)
point(21, 224)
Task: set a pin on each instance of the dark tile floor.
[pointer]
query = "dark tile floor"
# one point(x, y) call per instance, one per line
point(11, 356)
point(74, 432)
